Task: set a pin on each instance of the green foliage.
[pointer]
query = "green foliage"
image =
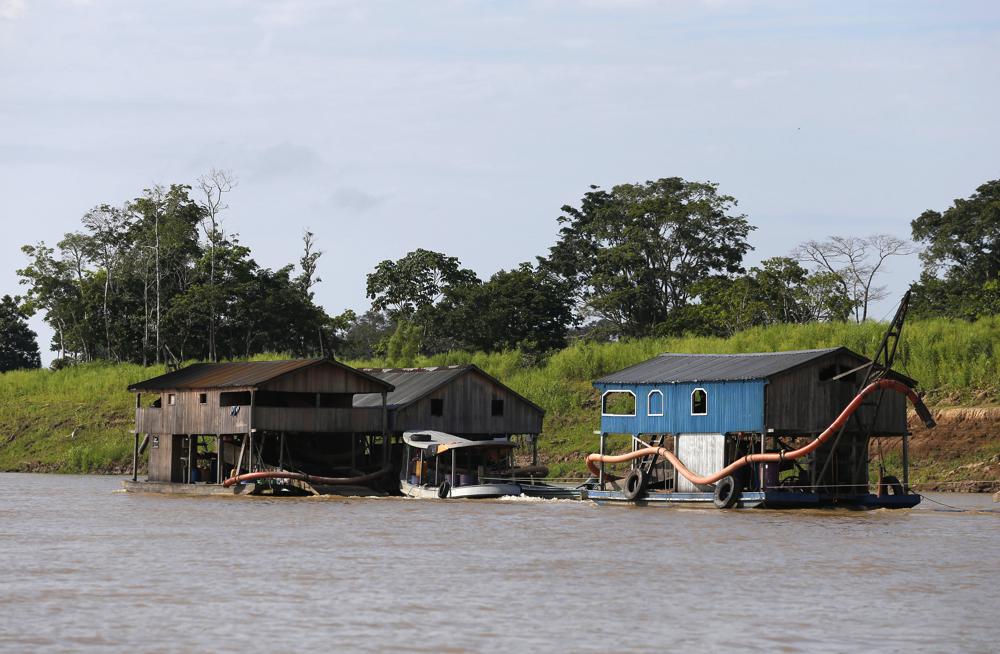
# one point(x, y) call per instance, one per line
point(138, 284)
point(961, 275)
point(634, 253)
point(403, 346)
point(18, 345)
point(780, 291)
point(415, 282)
point(522, 308)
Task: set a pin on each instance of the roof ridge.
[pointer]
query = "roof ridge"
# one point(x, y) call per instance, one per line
point(456, 366)
point(748, 354)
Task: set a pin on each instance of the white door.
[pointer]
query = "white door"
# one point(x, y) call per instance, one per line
point(703, 454)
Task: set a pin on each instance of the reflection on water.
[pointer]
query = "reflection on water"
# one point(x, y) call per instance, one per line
point(84, 567)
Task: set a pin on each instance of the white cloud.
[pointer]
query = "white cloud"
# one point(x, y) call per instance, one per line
point(285, 160)
point(11, 9)
point(353, 199)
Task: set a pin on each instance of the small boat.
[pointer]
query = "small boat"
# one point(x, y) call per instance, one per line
point(441, 465)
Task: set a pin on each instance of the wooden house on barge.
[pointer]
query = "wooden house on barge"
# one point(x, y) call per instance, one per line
point(462, 400)
point(712, 410)
point(210, 422)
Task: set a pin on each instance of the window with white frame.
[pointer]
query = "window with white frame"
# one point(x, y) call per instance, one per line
point(618, 403)
point(654, 403)
point(699, 402)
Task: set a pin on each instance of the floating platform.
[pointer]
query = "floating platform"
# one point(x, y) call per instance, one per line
point(552, 491)
point(757, 499)
point(171, 488)
point(291, 488)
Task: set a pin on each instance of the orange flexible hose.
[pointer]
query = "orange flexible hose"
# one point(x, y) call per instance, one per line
point(887, 384)
point(313, 479)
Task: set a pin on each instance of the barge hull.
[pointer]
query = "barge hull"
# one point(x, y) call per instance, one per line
point(758, 499)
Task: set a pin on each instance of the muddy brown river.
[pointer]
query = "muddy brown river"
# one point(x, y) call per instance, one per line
point(86, 568)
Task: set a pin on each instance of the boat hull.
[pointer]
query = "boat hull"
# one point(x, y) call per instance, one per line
point(550, 492)
point(473, 491)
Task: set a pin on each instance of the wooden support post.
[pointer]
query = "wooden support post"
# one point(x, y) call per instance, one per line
point(135, 458)
point(906, 462)
point(600, 477)
point(239, 459)
point(219, 460)
point(534, 449)
point(190, 461)
point(453, 482)
point(385, 428)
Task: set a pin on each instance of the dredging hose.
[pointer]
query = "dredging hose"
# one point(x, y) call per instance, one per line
point(770, 457)
point(312, 479)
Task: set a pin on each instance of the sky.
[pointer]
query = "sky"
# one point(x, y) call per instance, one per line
point(463, 126)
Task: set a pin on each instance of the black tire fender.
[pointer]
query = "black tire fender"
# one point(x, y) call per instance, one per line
point(444, 489)
point(727, 493)
point(635, 484)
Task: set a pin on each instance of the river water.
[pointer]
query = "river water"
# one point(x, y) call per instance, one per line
point(85, 567)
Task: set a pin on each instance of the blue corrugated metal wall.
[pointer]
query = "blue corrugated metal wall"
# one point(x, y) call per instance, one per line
point(732, 406)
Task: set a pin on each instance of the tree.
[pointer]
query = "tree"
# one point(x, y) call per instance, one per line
point(855, 262)
point(417, 281)
point(106, 244)
point(961, 257)
point(167, 223)
point(18, 344)
point(138, 280)
point(213, 187)
point(633, 254)
point(310, 256)
point(779, 291)
point(365, 336)
point(524, 308)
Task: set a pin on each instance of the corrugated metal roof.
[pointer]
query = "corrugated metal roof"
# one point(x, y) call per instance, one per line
point(671, 368)
point(242, 374)
point(411, 383)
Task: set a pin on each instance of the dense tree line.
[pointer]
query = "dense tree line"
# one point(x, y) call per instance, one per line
point(961, 257)
point(158, 278)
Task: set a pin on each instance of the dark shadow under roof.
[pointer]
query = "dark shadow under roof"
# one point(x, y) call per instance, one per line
point(239, 374)
point(676, 368)
point(413, 384)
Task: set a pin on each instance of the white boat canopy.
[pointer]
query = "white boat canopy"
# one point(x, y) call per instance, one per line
point(439, 442)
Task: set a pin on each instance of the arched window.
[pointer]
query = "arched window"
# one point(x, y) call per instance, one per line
point(654, 403)
point(699, 402)
point(618, 403)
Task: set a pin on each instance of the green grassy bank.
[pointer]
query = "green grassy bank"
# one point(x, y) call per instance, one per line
point(79, 419)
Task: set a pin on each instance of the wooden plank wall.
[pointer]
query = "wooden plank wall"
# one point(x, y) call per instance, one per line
point(467, 410)
point(799, 403)
point(164, 457)
point(323, 379)
point(189, 416)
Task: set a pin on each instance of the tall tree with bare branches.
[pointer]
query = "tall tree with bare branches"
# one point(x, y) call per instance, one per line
point(213, 187)
point(856, 263)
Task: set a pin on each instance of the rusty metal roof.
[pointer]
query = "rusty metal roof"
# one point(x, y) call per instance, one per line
point(412, 384)
point(241, 374)
point(672, 368)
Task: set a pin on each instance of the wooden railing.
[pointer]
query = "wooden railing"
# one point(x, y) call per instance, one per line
point(200, 419)
point(236, 420)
